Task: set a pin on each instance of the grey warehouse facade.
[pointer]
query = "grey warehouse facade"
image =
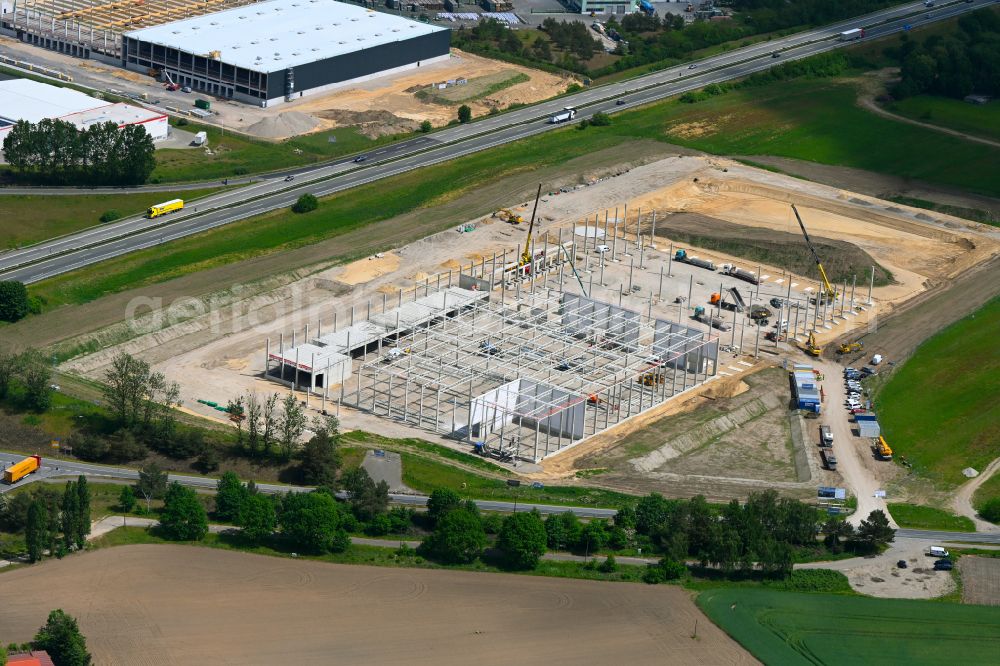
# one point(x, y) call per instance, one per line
point(279, 50)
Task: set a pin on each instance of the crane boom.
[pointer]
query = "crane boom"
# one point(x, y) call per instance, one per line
point(827, 287)
point(526, 255)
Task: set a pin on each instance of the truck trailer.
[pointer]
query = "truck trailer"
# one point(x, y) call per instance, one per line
point(19, 470)
point(851, 35)
point(164, 208)
point(683, 257)
point(741, 273)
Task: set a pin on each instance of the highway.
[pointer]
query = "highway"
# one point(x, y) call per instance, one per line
point(91, 246)
point(61, 468)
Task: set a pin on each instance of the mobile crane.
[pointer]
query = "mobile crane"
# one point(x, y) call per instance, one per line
point(526, 254)
point(828, 291)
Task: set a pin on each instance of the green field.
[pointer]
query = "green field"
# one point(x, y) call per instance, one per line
point(915, 516)
point(30, 219)
point(982, 120)
point(987, 491)
point(940, 410)
point(788, 628)
point(806, 119)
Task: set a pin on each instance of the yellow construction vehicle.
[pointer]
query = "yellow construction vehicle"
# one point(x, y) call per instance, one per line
point(654, 378)
point(811, 347)
point(882, 449)
point(508, 216)
point(526, 254)
point(829, 293)
point(848, 347)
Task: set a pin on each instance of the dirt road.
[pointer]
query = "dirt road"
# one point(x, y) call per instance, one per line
point(207, 605)
point(962, 502)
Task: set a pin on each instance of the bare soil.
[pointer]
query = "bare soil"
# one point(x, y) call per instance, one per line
point(163, 604)
point(980, 580)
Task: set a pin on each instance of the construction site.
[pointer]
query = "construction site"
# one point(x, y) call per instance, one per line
point(549, 351)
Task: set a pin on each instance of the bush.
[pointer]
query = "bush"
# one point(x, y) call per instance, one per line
point(110, 216)
point(667, 569)
point(600, 119)
point(990, 510)
point(305, 204)
point(182, 122)
point(609, 565)
point(241, 171)
point(426, 126)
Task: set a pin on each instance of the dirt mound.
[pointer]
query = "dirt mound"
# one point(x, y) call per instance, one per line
point(283, 125)
point(372, 124)
point(841, 259)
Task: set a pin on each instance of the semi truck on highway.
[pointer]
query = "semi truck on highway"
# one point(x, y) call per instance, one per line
point(164, 208)
point(18, 471)
point(851, 35)
point(568, 113)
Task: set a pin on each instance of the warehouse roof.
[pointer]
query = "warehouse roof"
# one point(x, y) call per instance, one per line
point(278, 34)
point(24, 99)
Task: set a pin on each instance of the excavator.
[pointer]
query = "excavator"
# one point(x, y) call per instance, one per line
point(508, 215)
point(848, 347)
point(829, 293)
point(811, 347)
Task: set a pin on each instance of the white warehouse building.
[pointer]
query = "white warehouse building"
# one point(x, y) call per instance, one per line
point(24, 99)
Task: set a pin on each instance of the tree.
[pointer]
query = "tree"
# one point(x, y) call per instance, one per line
point(458, 537)
point(305, 203)
point(441, 501)
point(320, 458)
point(183, 517)
point(426, 126)
point(464, 113)
point(522, 540)
point(8, 369)
point(13, 300)
point(126, 499)
point(36, 376)
point(592, 538)
point(554, 532)
point(230, 495)
point(834, 530)
point(83, 511)
point(60, 637)
point(269, 421)
point(651, 512)
point(311, 521)
point(368, 499)
point(70, 514)
point(291, 425)
point(36, 532)
point(152, 482)
point(257, 518)
point(139, 398)
point(990, 510)
point(874, 531)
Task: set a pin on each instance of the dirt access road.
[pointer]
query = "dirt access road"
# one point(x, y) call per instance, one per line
point(205, 605)
point(962, 502)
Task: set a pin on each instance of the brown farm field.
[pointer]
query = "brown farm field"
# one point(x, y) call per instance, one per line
point(162, 604)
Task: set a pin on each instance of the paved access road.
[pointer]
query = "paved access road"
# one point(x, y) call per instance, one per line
point(71, 252)
point(55, 468)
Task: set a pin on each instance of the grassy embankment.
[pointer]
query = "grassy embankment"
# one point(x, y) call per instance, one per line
point(30, 219)
point(980, 120)
point(790, 629)
point(811, 119)
point(915, 516)
point(939, 410)
point(987, 491)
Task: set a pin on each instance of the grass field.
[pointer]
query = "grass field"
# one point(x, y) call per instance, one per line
point(807, 119)
point(982, 120)
point(915, 516)
point(987, 491)
point(940, 408)
point(789, 628)
point(30, 219)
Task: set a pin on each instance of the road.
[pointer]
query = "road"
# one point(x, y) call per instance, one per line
point(56, 468)
point(84, 248)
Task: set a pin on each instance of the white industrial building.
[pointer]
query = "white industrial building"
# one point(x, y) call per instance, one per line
point(24, 99)
point(278, 50)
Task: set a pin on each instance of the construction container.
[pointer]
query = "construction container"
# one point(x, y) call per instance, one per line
point(203, 104)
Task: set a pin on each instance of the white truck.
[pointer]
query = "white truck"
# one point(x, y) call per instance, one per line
point(568, 113)
point(741, 273)
point(200, 139)
point(825, 436)
point(851, 35)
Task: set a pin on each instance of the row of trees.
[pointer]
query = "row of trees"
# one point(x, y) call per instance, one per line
point(953, 65)
point(25, 379)
point(55, 151)
point(54, 522)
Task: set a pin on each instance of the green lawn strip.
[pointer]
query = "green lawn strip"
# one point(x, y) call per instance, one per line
point(233, 154)
point(790, 628)
point(987, 490)
point(974, 214)
point(375, 441)
point(939, 410)
point(424, 475)
point(914, 516)
point(981, 120)
point(29, 219)
point(367, 555)
point(804, 119)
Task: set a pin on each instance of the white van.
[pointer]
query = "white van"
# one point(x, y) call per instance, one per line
point(937, 551)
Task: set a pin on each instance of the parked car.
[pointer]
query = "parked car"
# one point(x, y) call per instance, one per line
point(858, 410)
point(777, 302)
point(601, 249)
point(937, 551)
point(853, 404)
point(901, 564)
point(943, 565)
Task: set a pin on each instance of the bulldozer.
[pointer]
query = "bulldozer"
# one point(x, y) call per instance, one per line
point(508, 216)
point(811, 347)
point(848, 347)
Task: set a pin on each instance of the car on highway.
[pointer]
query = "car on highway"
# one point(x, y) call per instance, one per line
point(776, 54)
point(360, 158)
point(692, 66)
point(619, 102)
point(289, 179)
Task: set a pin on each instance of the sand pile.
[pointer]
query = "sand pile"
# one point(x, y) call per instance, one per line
point(289, 123)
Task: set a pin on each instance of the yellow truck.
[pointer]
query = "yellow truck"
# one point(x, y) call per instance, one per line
point(164, 208)
point(882, 449)
point(18, 471)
